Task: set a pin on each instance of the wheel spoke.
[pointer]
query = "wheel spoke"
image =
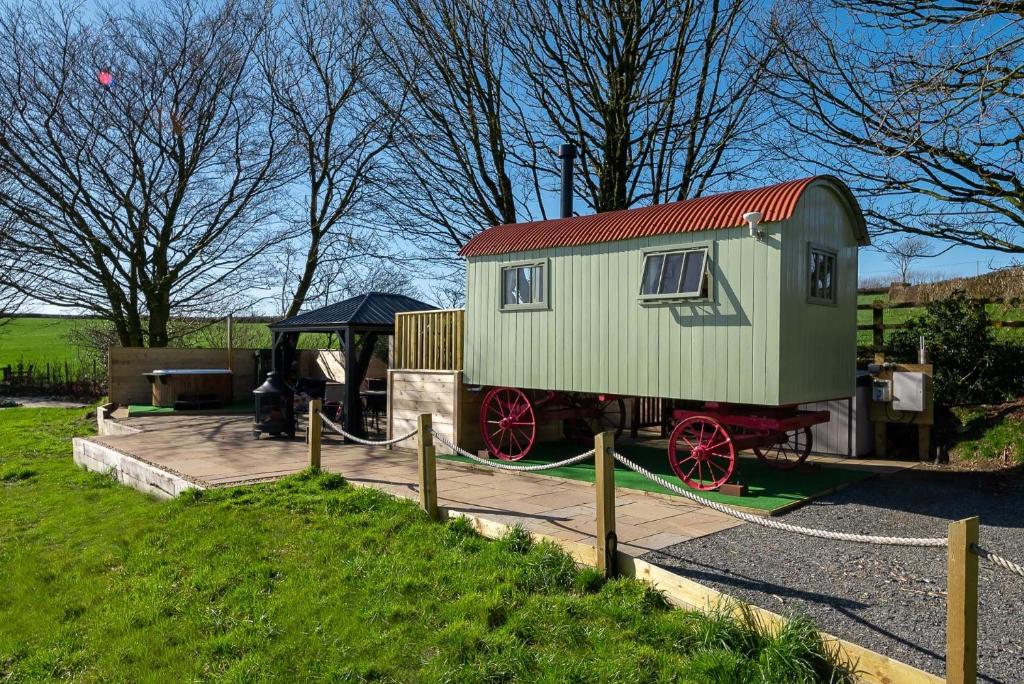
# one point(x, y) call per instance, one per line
point(689, 475)
point(712, 468)
point(519, 448)
point(718, 428)
point(724, 441)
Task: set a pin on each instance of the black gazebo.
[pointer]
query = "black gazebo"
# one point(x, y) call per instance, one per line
point(358, 321)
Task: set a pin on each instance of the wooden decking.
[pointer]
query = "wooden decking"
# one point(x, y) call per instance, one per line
point(219, 451)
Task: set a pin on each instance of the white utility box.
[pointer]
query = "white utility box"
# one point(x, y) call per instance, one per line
point(908, 391)
point(881, 391)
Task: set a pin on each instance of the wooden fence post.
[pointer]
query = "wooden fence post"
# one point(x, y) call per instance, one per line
point(427, 465)
point(313, 433)
point(606, 539)
point(962, 603)
point(878, 325)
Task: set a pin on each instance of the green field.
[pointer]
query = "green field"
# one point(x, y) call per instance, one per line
point(39, 341)
point(310, 579)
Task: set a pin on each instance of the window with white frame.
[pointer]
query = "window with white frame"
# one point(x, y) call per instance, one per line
point(675, 274)
point(522, 285)
point(821, 276)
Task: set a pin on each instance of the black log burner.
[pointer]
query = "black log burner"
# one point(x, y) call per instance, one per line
point(275, 407)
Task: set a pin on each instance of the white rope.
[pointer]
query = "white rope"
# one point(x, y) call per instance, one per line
point(774, 524)
point(504, 465)
point(337, 428)
point(1005, 564)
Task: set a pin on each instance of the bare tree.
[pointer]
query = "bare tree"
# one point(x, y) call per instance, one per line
point(345, 267)
point(919, 106)
point(904, 252)
point(144, 164)
point(453, 170)
point(319, 65)
point(663, 97)
point(12, 300)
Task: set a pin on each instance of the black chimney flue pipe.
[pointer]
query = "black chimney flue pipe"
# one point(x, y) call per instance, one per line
point(567, 153)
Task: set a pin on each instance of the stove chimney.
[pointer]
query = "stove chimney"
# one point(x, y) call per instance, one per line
point(566, 153)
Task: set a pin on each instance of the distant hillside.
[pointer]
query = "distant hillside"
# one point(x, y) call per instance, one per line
point(1006, 284)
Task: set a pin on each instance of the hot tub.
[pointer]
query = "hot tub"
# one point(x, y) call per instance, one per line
point(190, 387)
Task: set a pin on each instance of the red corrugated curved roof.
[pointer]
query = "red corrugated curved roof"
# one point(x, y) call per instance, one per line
point(724, 210)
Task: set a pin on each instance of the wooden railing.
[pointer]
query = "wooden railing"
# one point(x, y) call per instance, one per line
point(429, 340)
point(878, 326)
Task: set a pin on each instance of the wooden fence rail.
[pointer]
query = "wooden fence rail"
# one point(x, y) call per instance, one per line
point(429, 340)
point(878, 326)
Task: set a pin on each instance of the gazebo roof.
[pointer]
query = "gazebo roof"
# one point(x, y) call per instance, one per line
point(373, 310)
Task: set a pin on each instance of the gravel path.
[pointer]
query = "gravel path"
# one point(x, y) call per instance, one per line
point(889, 599)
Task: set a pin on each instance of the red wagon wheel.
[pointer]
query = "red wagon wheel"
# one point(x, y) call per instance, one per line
point(790, 450)
point(701, 452)
point(598, 414)
point(507, 423)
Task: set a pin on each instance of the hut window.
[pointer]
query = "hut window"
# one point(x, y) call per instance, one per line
point(822, 270)
point(675, 274)
point(522, 285)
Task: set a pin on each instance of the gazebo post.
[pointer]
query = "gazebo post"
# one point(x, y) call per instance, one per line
point(353, 409)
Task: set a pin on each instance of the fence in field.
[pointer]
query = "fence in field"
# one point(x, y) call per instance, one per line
point(878, 324)
point(84, 380)
point(963, 549)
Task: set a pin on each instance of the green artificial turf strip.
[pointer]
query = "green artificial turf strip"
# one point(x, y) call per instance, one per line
point(767, 489)
point(136, 410)
point(311, 579)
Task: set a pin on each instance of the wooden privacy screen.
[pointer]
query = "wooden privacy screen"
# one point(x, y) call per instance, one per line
point(429, 340)
point(125, 366)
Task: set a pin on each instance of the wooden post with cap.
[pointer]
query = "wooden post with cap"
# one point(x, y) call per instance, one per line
point(314, 431)
point(606, 539)
point(427, 465)
point(962, 603)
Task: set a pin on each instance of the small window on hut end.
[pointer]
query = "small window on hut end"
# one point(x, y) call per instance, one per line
point(821, 275)
point(523, 286)
point(681, 274)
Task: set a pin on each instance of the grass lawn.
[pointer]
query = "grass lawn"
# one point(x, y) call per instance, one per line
point(767, 489)
point(310, 579)
point(990, 433)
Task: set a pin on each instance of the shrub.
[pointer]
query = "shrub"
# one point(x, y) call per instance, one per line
point(970, 366)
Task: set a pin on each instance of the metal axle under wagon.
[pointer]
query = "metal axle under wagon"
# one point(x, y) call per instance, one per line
point(702, 445)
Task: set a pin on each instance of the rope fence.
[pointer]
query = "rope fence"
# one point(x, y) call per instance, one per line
point(998, 561)
point(505, 465)
point(359, 440)
point(883, 540)
point(774, 524)
point(961, 544)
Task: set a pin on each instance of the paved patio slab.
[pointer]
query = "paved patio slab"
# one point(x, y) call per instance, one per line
point(219, 451)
